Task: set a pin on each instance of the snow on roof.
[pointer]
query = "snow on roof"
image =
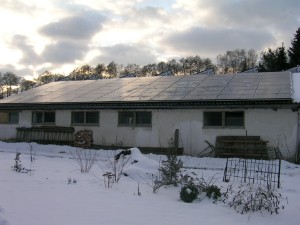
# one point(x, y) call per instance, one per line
point(296, 87)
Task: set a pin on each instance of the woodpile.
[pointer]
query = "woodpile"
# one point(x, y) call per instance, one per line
point(83, 139)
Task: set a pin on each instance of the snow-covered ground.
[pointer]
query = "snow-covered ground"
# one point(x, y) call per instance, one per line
point(44, 196)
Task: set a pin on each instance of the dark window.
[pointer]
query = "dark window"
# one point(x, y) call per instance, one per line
point(37, 117)
point(13, 118)
point(213, 119)
point(77, 117)
point(92, 117)
point(223, 119)
point(135, 118)
point(9, 117)
point(234, 119)
point(143, 118)
point(85, 118)
point(43, 117)
point(126, 118)
point(49, 117)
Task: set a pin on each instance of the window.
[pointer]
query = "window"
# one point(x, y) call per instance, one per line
point(223, 119)
point(85, 118)
point(234, 119)
point(213, 119)
point(9, 117)
point(43, 117)
point(139, 119)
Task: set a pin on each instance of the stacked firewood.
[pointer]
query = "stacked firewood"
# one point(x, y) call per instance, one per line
point(83, 139)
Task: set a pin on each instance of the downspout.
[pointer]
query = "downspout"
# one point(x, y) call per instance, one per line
point(298, 139)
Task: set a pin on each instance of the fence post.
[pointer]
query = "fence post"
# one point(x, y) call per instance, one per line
point(278, 181)
point(245, 171)
point(225, 172)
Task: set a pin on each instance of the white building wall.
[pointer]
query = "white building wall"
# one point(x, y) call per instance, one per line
point(278, 127)
point(8, 131)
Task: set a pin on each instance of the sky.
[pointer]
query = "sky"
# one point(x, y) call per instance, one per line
point(60, 35)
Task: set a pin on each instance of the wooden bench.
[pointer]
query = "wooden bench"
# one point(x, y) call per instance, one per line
point(241, 147)
point(46, 134)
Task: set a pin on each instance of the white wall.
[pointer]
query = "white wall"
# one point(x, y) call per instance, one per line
point(278, 127)
point(8, 131)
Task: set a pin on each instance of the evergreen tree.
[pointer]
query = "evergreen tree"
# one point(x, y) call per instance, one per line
point(274, 60)
point(282, 58)
point(294, 50)
point(170, 168)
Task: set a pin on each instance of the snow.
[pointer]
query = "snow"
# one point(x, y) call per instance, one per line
point(296, 87)
point(45, 197)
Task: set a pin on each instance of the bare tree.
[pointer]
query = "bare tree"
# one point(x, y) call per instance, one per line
point(149, 70)
point(8, 80)
point(112, 69)
point(237, 60)
point(27, 84)
point(100, 69)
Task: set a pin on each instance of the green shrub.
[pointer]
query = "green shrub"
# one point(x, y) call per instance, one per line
point(213, 191)
point(170, 169)
point(189, 193)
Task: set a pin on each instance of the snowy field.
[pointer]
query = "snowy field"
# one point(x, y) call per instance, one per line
point(44, 197)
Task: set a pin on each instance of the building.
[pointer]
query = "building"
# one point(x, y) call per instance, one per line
point(154, 111)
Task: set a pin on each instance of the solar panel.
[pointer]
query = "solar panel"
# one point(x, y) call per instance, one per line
point(274, 85)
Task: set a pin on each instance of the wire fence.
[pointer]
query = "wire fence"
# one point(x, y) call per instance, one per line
point(262, 172)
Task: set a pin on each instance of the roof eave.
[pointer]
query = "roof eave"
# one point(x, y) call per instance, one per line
point(232, 103)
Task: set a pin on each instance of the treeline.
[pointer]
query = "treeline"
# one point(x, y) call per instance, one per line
point(232, 61)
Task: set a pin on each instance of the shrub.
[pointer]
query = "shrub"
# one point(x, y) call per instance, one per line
point(18, 166)
point(189, 193)
point(213, 191)
point(170, 169)
point(249, 198)
point(85, 158)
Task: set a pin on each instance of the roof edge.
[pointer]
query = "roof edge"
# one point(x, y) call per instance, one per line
point(271, 103)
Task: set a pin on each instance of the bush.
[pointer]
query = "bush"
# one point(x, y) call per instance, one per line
point(85, 158)
point(249, 198)
point(213, 191)
point(18, 166)
point(170, 169)
point(189, 193)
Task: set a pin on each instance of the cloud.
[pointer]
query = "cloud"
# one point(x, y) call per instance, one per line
point(64, 34)
point(277, 17)
point(126, 54)
point(203, 41)
point(18, 5)
point(146, 15)
point(78, 27)
point(243, 12)
point(23, 44)
point(64, 52)
point(55, 53)
point(19, 72)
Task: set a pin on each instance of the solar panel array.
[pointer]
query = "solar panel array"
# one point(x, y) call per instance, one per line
point(241, 86)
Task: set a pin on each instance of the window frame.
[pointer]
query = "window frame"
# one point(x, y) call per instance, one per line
point(224, 115)
point(134, 122)
point(9, 117)
point(85, 123)
point(43, 122)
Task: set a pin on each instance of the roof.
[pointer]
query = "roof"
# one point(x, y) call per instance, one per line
point(271, 86)
point(295, 69)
